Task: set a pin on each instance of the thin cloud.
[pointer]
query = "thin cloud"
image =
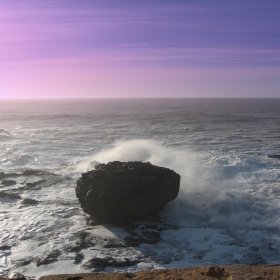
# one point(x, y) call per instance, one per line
point(166, 39)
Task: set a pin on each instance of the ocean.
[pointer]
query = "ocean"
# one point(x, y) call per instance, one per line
point(227, 211)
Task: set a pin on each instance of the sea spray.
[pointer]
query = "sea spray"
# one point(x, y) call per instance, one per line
point(208, 194)
point(228, 208)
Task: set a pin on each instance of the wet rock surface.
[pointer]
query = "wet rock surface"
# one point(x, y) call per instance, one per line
point(16, 275)
point(126, 190)
point(8, 182)
point(4, 175)
point(232, 272)
point(48, 258)
point(5, 247)
point(83, 240)
point(32, 186)
point(216, 272)
point(29, 201)
point(99, 264)
point(274, 156)
point(9, 195)
point(13, 184)
point(142, 235)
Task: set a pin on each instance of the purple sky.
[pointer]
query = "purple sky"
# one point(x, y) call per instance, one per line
point(139, 48)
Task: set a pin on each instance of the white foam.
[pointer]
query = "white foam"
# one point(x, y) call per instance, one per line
point(228, 207)
point(5, 135)
point(109, 231)
point(208, 194)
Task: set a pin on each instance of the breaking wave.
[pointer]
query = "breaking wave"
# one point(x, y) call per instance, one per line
point(209, 194)
point(5, 135)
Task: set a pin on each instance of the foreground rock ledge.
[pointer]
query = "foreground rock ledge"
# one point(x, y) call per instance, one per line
point(232, 272)
point(126, 190)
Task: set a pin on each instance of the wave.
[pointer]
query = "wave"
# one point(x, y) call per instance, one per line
point(18, 161)
point(5, 135)
point(209, 193)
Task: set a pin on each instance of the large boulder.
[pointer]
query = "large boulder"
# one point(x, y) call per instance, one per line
point(126, 190)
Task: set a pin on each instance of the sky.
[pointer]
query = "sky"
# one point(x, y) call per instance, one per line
point(139, 48)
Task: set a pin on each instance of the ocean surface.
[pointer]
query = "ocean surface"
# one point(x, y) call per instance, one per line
point(227, 211)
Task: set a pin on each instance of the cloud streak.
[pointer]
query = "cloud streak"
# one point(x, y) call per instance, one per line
point(169, 36)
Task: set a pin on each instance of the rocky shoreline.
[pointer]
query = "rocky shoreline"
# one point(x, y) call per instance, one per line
point(230, 272)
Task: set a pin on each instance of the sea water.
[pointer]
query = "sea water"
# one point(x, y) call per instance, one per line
point(227, 211)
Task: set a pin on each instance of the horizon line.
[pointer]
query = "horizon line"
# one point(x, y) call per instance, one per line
point(95, 98)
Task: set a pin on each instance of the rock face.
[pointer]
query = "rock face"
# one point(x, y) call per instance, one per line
point(126, 190)
point(233, 272)
point(274, 156)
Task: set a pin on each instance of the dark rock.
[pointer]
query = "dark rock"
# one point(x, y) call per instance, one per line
point(8, 183)
point(78, 258)
point(126, 190)
point(134, 241)
point(30, 172)
point(115, 244)
point(17, 276)
point(151, 237)
point(216, 272)
point(5, 247)
point(34, 185)
point(26, 262)
point(84, 241)
point(4, 175)
point(9, 195)
point(274, 156)
point(14, 196)
point(29, 201)
point(146, 237)
point(23, 262)
point(92, 222)
point(48, 258)
point(99, 264)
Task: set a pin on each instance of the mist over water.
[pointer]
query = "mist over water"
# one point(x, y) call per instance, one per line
point(229, 192)
point(207, 192)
